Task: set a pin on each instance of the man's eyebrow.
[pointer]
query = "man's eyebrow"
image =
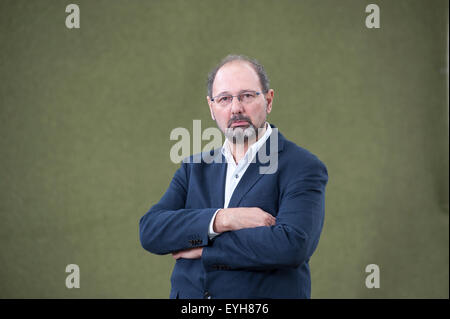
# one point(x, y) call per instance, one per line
point(223, 93)
point(241, 91)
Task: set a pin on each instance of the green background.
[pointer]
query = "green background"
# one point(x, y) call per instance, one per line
point(86, 114)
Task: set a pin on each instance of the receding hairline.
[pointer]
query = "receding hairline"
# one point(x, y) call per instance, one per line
point(254, 64)
point(249, 64)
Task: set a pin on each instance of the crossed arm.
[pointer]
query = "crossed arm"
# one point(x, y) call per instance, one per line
point(250, 238)
point(229, 219)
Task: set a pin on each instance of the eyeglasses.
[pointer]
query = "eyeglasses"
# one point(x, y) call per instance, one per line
point(246, 97)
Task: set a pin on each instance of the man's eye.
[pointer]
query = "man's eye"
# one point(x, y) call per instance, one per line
point(224, 99)
point(246, 96)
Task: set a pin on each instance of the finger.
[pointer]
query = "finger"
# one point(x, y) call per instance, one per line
point(176, 255)
point(271, 220)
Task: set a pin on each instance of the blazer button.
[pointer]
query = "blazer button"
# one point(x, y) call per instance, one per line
point(206, 295)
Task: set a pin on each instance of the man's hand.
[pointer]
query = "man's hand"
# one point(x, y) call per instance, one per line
point(193, 253)
point(228, 219)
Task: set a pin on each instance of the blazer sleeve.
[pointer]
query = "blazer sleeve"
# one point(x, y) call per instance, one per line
point(168, 227)
point(290, 242)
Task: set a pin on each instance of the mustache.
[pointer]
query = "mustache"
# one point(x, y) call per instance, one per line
point(239, 118)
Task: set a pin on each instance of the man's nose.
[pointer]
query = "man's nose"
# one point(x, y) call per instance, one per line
point(236, 106)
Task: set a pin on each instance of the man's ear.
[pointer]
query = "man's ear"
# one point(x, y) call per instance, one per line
point(210, 107)
point(269, 100)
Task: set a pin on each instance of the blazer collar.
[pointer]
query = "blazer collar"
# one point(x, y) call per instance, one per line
point(257, 169)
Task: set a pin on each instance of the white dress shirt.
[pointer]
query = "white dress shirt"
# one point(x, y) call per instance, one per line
point(236, 171)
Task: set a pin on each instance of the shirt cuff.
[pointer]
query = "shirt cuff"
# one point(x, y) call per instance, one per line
point(211, 232)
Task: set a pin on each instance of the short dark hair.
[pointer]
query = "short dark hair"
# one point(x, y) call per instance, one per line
point(259, 69)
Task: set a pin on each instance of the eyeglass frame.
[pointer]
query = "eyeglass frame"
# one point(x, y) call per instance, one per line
point(233, 96)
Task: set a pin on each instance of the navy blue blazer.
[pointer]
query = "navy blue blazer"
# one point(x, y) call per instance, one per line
point(260, 262)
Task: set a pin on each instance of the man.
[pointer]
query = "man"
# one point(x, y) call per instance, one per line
point(235, 228)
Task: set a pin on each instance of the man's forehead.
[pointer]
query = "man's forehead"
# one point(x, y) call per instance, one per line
point(236, 76)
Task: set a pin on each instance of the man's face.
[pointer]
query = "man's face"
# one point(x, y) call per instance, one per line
point(239, 119)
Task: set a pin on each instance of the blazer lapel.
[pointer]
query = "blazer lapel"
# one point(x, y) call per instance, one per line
point(255, 170)
point(219, 173)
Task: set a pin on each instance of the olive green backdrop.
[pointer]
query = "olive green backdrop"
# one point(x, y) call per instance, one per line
point(85, 118)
